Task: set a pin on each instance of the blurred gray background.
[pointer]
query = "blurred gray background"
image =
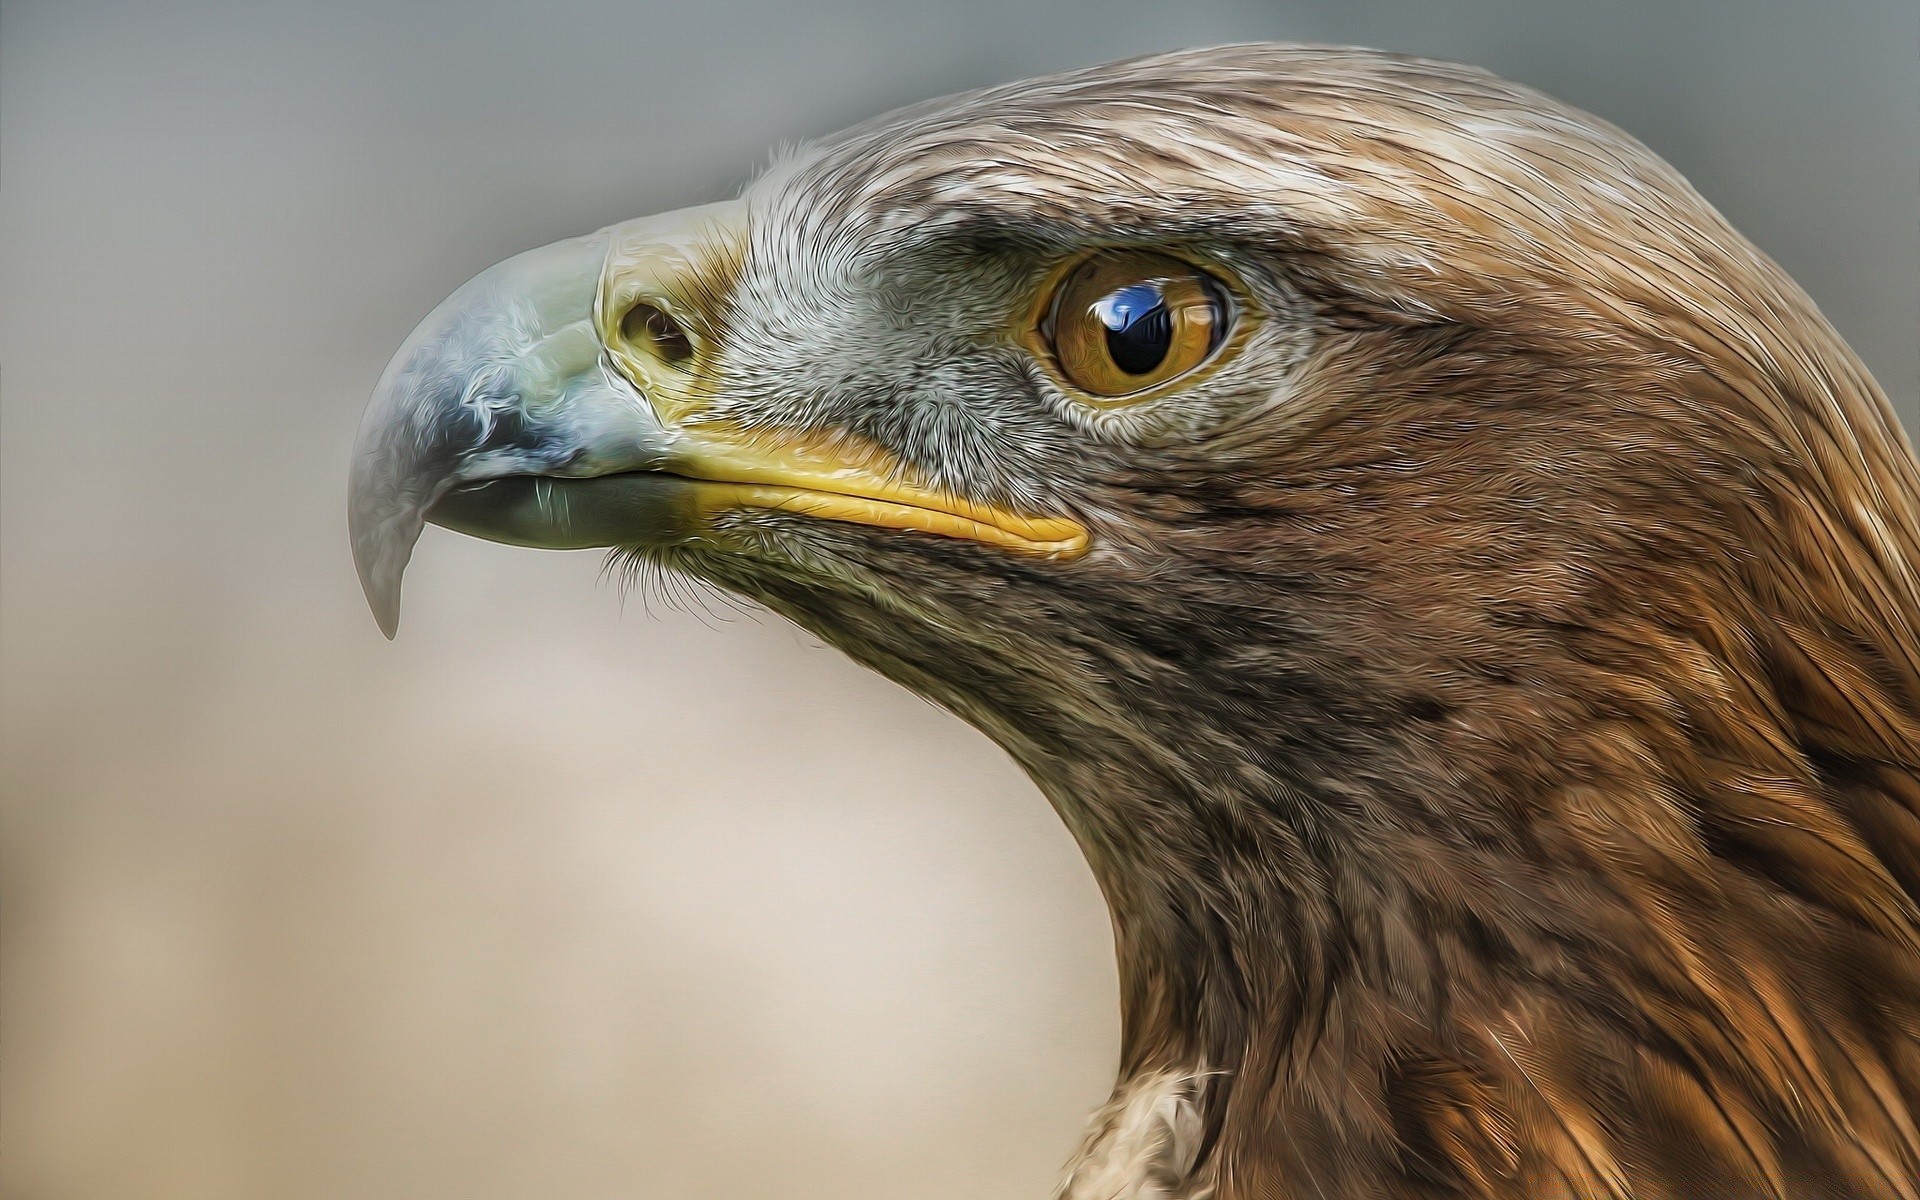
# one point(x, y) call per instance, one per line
point(560, 895)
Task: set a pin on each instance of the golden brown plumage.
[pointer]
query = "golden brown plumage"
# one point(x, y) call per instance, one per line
point(1490, 699)
point(1649, 535)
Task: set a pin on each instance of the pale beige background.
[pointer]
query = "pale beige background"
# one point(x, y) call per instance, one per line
point(558, 897)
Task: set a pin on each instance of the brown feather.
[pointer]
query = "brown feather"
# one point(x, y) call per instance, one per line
point(1501, 752)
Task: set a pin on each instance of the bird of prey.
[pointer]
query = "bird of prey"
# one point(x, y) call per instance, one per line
point(1463, 598)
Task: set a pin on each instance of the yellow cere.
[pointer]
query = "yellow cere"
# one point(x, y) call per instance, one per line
point(657, 276)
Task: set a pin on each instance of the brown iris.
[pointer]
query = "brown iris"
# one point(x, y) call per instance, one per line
point(1129, 321)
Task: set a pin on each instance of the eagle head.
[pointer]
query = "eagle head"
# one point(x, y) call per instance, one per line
point(1461, 596)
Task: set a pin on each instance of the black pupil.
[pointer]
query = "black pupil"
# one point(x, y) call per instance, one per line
point(1139, 326)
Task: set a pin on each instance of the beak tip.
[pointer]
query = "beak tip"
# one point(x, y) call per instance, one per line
point(382, 588)
point(381, 550)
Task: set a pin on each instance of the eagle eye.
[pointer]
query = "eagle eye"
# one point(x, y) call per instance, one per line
point(1127, 322)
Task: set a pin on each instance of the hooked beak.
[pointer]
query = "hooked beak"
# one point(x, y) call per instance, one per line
point(553, 401)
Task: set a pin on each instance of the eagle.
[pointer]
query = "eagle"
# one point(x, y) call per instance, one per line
point(1462, 597)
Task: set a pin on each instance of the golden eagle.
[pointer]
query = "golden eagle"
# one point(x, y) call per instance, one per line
point(1463, 598)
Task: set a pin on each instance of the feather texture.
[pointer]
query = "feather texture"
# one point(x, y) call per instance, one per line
point(1501, 745)
point(1490, 697)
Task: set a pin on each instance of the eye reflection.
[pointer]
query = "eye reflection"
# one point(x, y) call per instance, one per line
point(1139, 327)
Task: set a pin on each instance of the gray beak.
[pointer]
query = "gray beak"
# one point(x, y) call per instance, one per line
point(501, 417)
point(542, 405)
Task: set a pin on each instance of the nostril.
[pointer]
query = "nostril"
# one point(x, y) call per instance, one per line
point(653, 327)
